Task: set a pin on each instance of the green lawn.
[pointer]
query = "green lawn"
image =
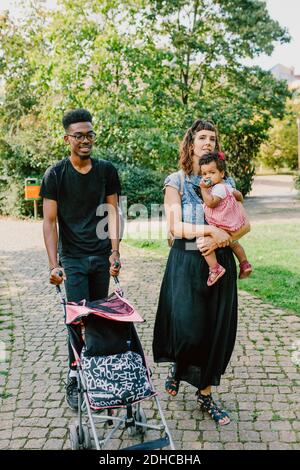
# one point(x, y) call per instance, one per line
point(274, 252)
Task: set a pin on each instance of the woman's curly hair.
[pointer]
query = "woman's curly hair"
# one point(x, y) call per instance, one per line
point(186, 146)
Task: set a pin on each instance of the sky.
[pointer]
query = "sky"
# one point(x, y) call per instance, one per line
point(287, 12)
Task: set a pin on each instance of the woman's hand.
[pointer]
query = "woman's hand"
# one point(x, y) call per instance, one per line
point(220, 237)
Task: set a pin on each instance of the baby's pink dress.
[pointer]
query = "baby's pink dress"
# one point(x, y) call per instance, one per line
point(227, 214)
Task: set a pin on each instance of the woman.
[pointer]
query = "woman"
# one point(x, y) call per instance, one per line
point(195, 325)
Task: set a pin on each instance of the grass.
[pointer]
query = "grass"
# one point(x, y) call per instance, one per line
point(273, 250)
point(5, 395)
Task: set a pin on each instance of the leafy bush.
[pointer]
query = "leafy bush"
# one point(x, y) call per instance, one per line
point(141, 186)
point(297, 181)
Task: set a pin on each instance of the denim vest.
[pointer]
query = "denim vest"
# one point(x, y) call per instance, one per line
point(191, 202)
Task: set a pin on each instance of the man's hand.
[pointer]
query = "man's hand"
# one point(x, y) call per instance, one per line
point(115, 264)
point(55, 277)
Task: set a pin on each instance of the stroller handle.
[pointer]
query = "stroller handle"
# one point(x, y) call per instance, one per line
point(115, 278)
point(58, 289)
point(118, 286)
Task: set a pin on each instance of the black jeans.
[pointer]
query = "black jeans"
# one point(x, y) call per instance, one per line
point(87, 278)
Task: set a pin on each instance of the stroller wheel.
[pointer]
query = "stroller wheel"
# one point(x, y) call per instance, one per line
point(87, 443)
point(140, 416)
point(132, 430)
point(75, 440)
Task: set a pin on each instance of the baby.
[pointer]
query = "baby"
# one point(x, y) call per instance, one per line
point(222, 210)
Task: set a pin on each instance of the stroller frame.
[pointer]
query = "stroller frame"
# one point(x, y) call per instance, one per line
point(134, 419)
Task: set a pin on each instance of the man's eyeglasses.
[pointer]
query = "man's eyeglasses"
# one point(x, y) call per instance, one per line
point(90, 136)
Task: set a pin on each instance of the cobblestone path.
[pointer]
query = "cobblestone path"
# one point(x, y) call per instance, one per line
point(260, 389)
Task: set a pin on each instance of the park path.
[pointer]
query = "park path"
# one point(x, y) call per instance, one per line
point(260, 388)
point(273, 199)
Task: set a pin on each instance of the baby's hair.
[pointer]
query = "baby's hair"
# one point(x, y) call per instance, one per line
point(213, 157)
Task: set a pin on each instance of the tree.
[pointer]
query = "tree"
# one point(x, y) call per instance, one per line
point(206, 42)
point(281, 148)
point(145, 69)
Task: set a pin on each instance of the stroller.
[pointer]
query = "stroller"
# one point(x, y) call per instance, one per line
point(113, 377)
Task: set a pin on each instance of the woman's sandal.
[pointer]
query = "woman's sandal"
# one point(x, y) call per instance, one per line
point(207, 404)
point(172, 384)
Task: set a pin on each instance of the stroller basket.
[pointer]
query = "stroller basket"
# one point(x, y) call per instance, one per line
point(116, 380)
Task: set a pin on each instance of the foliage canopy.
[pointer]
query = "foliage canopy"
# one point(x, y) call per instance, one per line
point(145, 69)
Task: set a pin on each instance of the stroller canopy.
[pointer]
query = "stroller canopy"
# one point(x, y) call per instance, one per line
point(113, 307)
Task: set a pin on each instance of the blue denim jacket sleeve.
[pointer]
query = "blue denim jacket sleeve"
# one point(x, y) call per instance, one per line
point(192, 209)
point(172, 180)
point(229, 180)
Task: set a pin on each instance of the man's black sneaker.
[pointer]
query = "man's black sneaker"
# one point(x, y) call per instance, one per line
point(72, 393)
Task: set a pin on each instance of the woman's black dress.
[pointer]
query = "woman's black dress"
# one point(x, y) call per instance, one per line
point(196, 325)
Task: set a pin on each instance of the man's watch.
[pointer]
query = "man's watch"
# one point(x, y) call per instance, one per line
point(115, 251)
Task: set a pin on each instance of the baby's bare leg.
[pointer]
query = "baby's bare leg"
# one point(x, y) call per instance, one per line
point(211, 259)
point(239, 251)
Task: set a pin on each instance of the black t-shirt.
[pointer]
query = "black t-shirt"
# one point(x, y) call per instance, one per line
point(79, 205)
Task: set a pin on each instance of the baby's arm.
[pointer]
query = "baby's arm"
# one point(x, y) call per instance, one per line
point(238, 195)
point(210, 200)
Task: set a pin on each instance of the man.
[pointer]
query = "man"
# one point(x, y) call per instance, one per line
point(82, 194)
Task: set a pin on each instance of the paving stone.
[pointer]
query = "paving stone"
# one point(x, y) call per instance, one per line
point(38, 433)
point(55, 413)
point(35, 444)
point(23, 413)
point(255, 446)
point(38, 412)
point(4, 443)
point(185, 424)
point(20, 433)
point(58, 433)
point(288, 436)
point(228, 436)
point(279, 446)
point(189, 436)
point(256, 387)
point(233, 446)
point(269, 436)
point(54, 444)
point(17, 444)
point(211, 436)
point(246, 436)
point(281, 426)
point(6, 434)
point(212, 446)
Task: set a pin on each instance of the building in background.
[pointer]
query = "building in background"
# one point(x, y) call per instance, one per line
point(281, 72)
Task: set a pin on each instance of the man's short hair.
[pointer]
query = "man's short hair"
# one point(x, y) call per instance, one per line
point(76, 115)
